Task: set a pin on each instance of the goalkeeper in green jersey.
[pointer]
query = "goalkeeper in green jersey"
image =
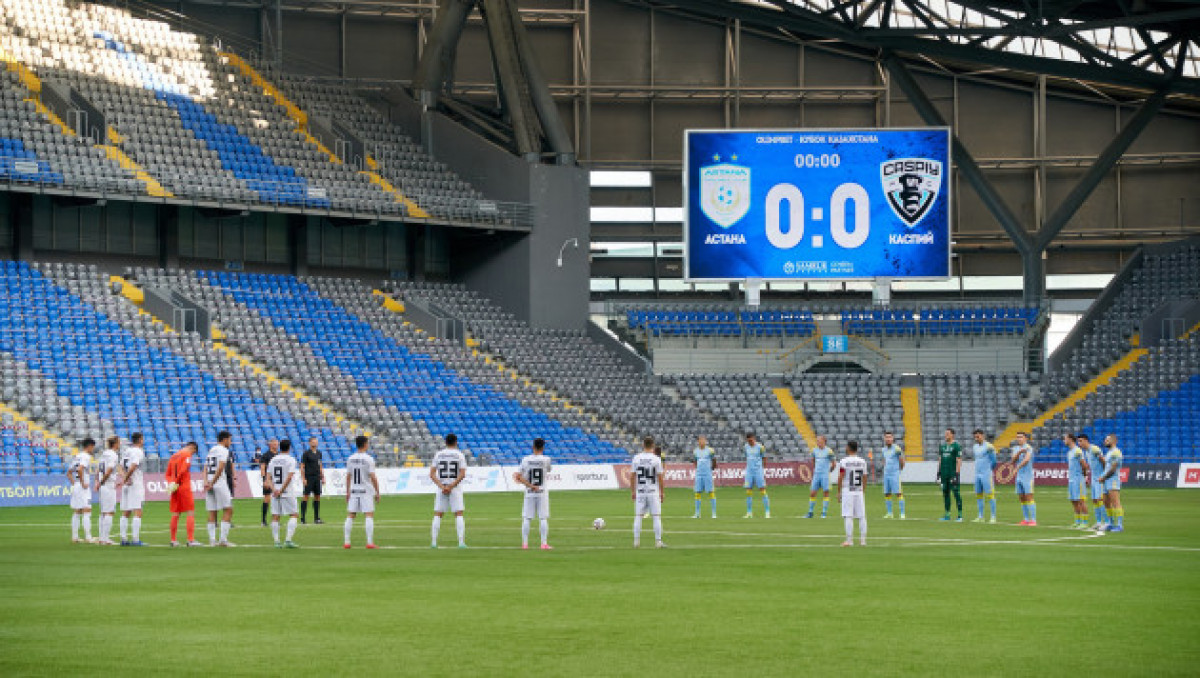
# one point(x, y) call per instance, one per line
point(949, 466)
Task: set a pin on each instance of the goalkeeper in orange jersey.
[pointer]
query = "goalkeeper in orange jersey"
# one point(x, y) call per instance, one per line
point(179, 475)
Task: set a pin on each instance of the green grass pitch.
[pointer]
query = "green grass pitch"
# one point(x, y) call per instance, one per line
point(729, 597)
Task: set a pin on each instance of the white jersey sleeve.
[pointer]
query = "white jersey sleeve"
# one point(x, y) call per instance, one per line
point(855, 469)
point(359, 468)
point(216, 455)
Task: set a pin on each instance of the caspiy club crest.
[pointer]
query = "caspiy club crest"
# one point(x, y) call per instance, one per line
point(724, 192)
point(912, 186)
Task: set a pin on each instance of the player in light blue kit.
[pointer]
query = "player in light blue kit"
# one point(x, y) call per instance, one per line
point(756, 477)
point(1095, 464)
point(985, 461)
point(706, 463)
point(893, 463)
point(1110, 480)
point(1076, 479)
point(1022, 457)
point(823, 463)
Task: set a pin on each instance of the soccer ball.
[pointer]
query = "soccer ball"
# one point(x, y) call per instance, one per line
point(598, 523)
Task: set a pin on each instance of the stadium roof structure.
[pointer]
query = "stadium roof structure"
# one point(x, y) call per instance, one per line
point(1144, 44)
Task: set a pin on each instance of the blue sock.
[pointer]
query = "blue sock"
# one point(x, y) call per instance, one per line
point(697, 505)
point(713, 501)
point(1096, 512)
point(749, 503)
point(902, 506)
point(1033, 511)
point(1121, 519)
point(811, 503)
point(825, 507)
point(992, 503)
point(1025, 511)
point(766, 504)
point(1103, 515)
point(979, 502)
point(889, 505)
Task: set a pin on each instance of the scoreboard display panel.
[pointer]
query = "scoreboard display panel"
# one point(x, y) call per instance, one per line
point(817, 204)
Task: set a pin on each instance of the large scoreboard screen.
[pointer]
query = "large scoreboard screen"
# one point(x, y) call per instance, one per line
point(816, 204)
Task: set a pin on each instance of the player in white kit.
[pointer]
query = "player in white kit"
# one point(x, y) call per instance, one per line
point(362, 491)
point(133, 491)
point(283, 481)
point(646, 484)
point(533, 474)
point(106, 480)
point(852, 476)
point(217, 497)
point(448, 470)
point(79, 475)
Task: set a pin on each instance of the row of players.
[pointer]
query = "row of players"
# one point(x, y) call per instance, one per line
point(1086, 462)
point(1088, 467)
point(121, 474)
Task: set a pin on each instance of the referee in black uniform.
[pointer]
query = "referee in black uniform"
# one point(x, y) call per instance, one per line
point(314, 475)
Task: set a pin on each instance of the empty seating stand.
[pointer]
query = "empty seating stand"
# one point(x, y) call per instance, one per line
point(717, 322)
point(939, 321)
point(128, 377)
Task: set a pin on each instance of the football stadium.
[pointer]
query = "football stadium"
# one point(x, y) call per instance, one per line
point(846, 336)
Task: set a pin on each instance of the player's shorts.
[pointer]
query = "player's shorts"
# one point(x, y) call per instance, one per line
point(703, 484)
point(1113, 483)
point(1024, 485)
point(648, 503)
point(891, 485)
point(283, 506)
point(755, 479)
point(537, 505)
point(218, 498)
point(80, 498)
point(983, 484)
point(854, 505)
point(1097, 490)
point(359, 503)
point(183, 501)
point(1075, 489)
point(819, 483)
point(132, 497)
point(312, 486)
point(108, 499)
point(448, 503)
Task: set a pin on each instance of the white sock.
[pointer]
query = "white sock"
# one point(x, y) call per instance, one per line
point(291, 532)
point(545, 531)
point(275, 531)
point(87, 526)
point(105, 527)
point(637, 529)
point(657, 528)
point(346, 529)
point(124, 527)
point(74, 525)
point(212, 533)
point(460, 526)
point(849, 529)
point(437, 526)
point(224, 531)
point(137, 528)
point(862, 529)
point(370, 525)
point(525, 532)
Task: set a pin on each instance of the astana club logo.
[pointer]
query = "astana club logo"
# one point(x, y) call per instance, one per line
point(724, 192)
